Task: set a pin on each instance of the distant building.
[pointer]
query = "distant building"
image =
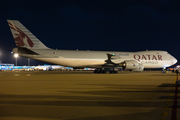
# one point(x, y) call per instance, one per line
point(5, 66)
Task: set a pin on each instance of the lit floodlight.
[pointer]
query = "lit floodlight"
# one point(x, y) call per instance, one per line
point(16, 55)
point(178, 66)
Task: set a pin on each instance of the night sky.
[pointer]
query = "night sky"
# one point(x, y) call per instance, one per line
point(124, 25)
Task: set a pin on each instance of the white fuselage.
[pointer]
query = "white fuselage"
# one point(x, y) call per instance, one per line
point(95, 59)
point(31, 47)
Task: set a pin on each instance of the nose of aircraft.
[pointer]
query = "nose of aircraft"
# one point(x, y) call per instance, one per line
point(174, 61)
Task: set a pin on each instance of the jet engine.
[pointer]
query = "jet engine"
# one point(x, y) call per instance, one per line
point(133, 65)
point(139, 69)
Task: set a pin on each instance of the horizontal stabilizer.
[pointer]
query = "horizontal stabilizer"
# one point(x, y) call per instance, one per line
point(23, 50)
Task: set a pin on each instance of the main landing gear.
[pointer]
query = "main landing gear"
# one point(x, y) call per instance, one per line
point(99, 71)
point(111, 71)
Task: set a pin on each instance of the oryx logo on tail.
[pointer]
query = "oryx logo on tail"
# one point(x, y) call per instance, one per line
point(21, 39)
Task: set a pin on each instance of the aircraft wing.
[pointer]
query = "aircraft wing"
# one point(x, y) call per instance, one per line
point(113, 59)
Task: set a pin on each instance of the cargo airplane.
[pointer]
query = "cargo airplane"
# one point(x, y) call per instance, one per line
point(31, 47)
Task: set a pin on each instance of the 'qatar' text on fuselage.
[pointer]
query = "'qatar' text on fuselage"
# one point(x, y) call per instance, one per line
point(147, 57)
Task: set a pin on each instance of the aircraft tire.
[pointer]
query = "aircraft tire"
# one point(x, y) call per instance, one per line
point(104, 71)
point(113, 72)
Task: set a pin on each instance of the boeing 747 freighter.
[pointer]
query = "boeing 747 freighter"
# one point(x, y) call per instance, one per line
point(31, 47)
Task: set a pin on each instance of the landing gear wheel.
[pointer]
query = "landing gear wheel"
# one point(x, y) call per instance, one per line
point(113, 72)
point(95, 71)
point(99, 71)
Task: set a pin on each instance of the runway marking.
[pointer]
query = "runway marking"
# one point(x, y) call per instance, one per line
point(164, 114)
point(28, 74)
point(16, 74)
point(166, 108)
point(142, 107)
point(174, 107)
point(171, 94)
point(176, 78)
point(167, 103)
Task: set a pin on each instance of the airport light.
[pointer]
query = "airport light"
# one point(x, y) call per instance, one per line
point(178, 66)
point(16, 56)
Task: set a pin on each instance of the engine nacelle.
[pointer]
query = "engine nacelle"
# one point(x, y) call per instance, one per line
point(139, 69)
point(133, 65)
point(130, 65)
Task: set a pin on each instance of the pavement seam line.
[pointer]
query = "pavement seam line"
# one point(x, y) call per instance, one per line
point(142, 106)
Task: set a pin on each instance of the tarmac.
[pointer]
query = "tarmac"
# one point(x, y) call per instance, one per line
point(83, 95)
